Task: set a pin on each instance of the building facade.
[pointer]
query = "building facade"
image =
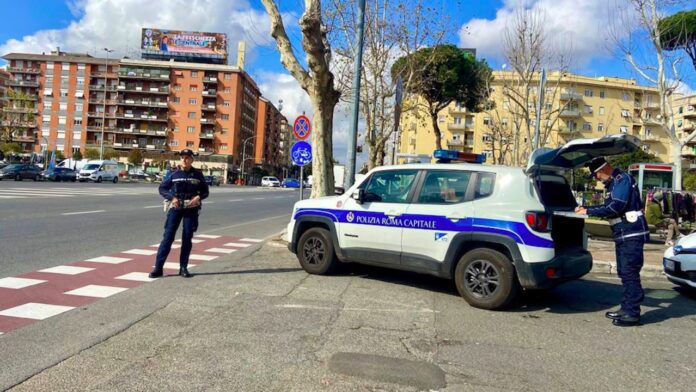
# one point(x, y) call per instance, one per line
point(269, 127)
point(154, 106)
point(684, 109)
point(574, 107)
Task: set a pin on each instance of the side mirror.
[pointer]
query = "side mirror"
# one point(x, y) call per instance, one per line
point(358, 195)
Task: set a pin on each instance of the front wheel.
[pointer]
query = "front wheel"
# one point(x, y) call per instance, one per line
point(115, 180)
point(316, 252)
point(99, 179)
point(485, 278)
point(18, 177)
point(37, 177)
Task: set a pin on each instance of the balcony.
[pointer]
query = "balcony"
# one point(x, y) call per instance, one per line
point(19, 124)
point(100, 87)
point(24, 139)
point(96, 128)
point(20, 110)
point(208, 108)
point(206, 150)
point(142, 90)
point(28, 97)
point(209, 93)
point(207, 120)
point(210, 79)
point(651, 121)
point(652, 105)
point(207, 135)
point(145, 132)
point(101, 101)
point(102, 75)
point(33, 71)
point(649, 138)
point(144, 75)
point(101, 114)
point(689, 113)
point(567, 130)
point(460, 127)
point(688, 126)
point(21, 83)
point(570, 96)
point(143, 103)
point(688, 151)
point(570, 113)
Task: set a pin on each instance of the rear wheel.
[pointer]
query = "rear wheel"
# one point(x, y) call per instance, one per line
point(115, 180)
point(18, 177)
point(486, 279)
point(37, 177)
point(316, 252)
point(73, 179)
point(56, 178)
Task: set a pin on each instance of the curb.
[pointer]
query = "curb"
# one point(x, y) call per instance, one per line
point(609, 267)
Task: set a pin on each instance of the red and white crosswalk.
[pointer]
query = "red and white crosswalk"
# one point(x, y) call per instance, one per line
point(41, 294)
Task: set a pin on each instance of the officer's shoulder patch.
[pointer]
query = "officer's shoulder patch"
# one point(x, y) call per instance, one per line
point(619, 176)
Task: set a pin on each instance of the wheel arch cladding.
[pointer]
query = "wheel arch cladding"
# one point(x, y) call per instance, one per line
point(465, 242)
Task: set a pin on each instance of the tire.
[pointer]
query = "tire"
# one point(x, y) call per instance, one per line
point(57, 179)
point(18, 177)
point(37, 177)
point(99, 179)
point(115, 180)
point(315, 251)
point(73, 179)
point(485, 278)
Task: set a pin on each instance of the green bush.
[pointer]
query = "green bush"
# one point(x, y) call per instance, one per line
point(135, 157)
point(689, 181)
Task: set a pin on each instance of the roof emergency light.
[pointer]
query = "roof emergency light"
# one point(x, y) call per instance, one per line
point(445, 156)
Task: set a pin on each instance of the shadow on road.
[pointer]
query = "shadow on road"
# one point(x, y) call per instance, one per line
point(251, 271)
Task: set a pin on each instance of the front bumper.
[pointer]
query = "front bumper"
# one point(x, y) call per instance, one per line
point(567, 266)
point(678, 275)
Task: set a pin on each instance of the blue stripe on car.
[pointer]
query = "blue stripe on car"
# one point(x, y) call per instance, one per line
point(518, 231)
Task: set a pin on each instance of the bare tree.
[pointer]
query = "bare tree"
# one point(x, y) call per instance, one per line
point(317, 81)
point(393, 28)
point(663, 70)
point(527, 51)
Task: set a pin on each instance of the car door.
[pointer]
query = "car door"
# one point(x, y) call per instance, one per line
point(371, 231)
point(441, 209)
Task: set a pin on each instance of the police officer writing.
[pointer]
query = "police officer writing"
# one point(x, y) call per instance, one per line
point(624, 209)
point(185, 188)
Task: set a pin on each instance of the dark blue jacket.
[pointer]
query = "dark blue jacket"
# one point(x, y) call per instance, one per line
point(623, 197)
point(184, 185)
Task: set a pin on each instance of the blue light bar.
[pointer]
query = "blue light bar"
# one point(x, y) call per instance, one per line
point(454, 155)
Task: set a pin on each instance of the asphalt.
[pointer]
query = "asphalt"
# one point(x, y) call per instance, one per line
point(255, 321)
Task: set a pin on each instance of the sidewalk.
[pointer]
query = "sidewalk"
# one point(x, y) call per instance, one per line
point(604, 257)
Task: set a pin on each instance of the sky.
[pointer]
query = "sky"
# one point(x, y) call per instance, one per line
point(580, 26)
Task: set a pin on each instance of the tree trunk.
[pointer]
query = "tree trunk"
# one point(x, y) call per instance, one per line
point(676, 154)
point(436, 131)
point(322, 146)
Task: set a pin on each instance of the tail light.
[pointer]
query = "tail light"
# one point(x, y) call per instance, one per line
point(538, 221)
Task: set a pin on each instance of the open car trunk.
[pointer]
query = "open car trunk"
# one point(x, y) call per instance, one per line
point(545, 169)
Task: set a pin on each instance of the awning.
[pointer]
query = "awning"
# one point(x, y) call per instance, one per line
point(48, 91)
point(79, 94)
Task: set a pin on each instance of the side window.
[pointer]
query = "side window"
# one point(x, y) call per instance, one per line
point(390, 186)
point(444, 187)
point(484, 185)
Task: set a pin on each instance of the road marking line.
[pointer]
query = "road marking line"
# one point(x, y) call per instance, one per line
point(258, 198)
point(18, 283)
point(193, 241)
point(207, 236)
point(97, 291)
point(236, 200)
point(251, 240)
point(202, 257)
point(82, 212)
point(221, 250)
point(137, 277)
point(108, 260)
point(66, 270)
point(237, 244)
point(175, 266)
point(157, 206)
point(145, 252)
point(35, 311)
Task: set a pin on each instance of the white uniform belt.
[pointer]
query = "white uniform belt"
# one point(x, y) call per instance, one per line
point(614, 221)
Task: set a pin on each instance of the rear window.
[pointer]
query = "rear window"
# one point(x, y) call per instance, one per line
point(555, 192)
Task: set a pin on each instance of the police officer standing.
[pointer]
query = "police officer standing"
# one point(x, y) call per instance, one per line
point(185, 189)
point(624, 209)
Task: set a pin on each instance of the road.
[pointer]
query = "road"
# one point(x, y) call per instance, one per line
point(48, 224)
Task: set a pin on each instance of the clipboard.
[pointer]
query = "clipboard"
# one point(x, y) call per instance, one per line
point(571, 214)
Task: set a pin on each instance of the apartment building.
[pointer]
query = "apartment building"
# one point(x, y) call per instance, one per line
point(574, 107)
point(154, 106)
point(4, 79)
point(270, 124)
point(684, 109)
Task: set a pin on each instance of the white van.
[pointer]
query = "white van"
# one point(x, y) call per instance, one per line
point(99, 171)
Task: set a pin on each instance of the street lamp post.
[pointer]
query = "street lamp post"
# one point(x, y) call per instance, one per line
point(244, 154)
point(106, 75)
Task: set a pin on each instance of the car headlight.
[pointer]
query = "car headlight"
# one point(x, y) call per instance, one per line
point(670, 252)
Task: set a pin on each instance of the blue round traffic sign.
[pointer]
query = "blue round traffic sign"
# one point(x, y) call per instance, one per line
point(301, 153)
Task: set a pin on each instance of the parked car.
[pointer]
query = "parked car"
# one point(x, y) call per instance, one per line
point(60, 174)
point(138, 174)
point(679, 262)
point(212, 180)
point(270, 181)
point(21, 171)
point(290, 183)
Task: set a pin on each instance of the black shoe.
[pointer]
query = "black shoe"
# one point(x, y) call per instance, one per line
point(626, 321)
point(614, 315)
point(155, 274)
point(184, 272)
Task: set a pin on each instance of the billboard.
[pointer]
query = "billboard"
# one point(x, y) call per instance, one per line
point(184, 42)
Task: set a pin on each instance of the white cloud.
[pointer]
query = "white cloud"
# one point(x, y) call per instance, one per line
point(580, 23)
point(116, 24)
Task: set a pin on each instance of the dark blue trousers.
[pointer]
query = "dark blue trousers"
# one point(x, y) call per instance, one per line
point(629, 261)
point(174, 218)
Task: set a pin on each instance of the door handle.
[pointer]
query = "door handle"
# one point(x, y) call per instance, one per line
point(456, 217)
point(392, 214)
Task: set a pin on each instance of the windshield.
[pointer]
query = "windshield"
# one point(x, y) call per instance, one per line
point(91, 166)
point(11, 167)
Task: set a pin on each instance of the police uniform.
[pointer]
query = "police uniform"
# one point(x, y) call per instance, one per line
point(184, 185)
point(624, 210)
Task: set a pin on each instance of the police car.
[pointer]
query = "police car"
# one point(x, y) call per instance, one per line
point(679, 262)
point(493, 229)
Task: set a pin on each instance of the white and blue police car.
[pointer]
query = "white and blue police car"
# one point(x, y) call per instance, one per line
point(493, 229)
point(679, 262)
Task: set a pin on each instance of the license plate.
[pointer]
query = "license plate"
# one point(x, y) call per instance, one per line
point(669, 265)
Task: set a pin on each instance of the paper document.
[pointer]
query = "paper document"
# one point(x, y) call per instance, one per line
point(571, 214)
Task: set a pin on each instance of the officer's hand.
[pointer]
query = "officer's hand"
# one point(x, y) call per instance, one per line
point(195, 202)
point(581, 210)
point(175, 202)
